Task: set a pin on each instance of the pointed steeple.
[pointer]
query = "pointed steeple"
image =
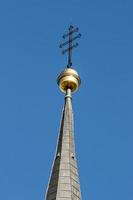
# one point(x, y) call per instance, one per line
point(64, 179)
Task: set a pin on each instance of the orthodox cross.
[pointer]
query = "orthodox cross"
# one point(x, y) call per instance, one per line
point(70, 44)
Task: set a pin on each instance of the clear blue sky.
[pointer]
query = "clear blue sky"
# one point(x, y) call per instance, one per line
point(31, 103)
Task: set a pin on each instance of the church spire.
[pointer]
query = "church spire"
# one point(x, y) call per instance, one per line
point(64, 179)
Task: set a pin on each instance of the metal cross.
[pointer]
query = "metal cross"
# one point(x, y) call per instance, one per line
point(70, 44)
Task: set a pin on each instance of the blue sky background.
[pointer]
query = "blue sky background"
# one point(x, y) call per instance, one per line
point(31, 103)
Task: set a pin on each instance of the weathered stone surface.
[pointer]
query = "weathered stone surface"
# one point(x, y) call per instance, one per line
point(64, 180)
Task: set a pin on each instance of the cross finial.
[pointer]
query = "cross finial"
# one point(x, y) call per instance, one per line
point(70, 44)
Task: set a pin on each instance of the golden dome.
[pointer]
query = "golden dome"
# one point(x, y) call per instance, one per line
point(68, 79)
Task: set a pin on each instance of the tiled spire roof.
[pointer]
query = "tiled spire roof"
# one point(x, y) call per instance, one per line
point(64, 180)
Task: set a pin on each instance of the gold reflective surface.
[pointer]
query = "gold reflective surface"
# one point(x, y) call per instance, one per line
point(68, 79)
